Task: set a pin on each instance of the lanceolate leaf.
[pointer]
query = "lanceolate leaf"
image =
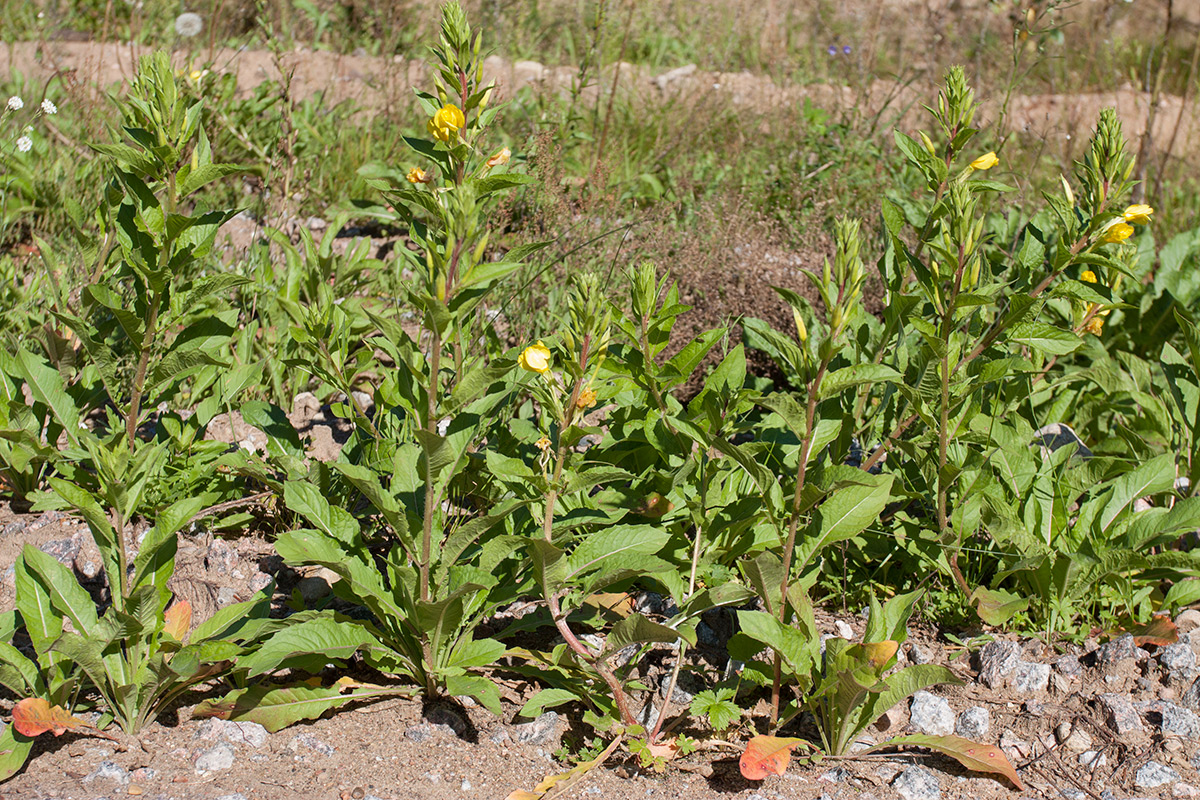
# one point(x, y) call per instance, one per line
point(14, 750)
point(972, 755)
point(276, 707)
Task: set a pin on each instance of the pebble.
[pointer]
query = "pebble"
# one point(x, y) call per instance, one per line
point(1178, 721)
point(1191, 698)
point(656, 604)
point(425, 731)
point(247, 733)
point(1178, 657)
point(1077, 741)
point(918, 655)
point(539, 731)
point(996, 660)
point(931, 714)
point(449, 716)
point(1184, 790)
point(843, 630)
point(1153, 774)
point(973, 723)
point(1031, 678)
point(1120, 713)
point(1110, 654)
point(216, 758)
point(1093, 759)
point(1068, 666)
point(312, 743)
point(1188, 620)
point(917, 783)
point(235, 796)
point(687, 686)
point(110, 771)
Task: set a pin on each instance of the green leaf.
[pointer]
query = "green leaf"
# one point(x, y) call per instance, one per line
point(322, 640)
point(841, 379)
point(897, 687)
point(66, 595)
point(847, 513)
point(718, 707)
point(276, 707)
point(46, 385)
point(305, 499)
point(1044, 338)
point(546, 698)
point(206, 174)
point(14, 752)
point(636, 629)
point(1156, 475)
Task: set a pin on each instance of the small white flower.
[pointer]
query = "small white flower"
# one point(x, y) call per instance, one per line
point(24, 144)
point(15, 103)
point(188, 24)
point(48, 107)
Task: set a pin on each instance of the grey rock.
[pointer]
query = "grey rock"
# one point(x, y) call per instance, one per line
point(1092, 759)
point(706, 636)
point(931, 714)
point(687, 686)
point(250, 734)
point(424, 732)
point(655, 603)
point(996, 660)
point(312, 588)
point(1077, 741)
point(1031, 678)
point(843, 630)
point(1191, 697)
point(1068, 666)
point(917, 783)
point(1178, 657)
point(449, 716)
point(1184, 790)
point(1153, 774)
point(216, 758)
point(919, 655)
point(835, 775)
point(316, 224)
point(1178, 721)
point(1119, 713)
point(539, 731)
point(108, 771)
point(1110, 654)
point(63, 550)
point(307, 740)
point(973, 723)
point(226, 596)
point(1195, 760)
point(234, 796)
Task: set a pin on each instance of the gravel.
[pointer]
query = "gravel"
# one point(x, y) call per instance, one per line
point(1153, 774)
point(540, 731)
point(216, 758)
point(1178, 721)
point(973, 724)
point(1031, 678)
point(931, 714)
point(1119, 713)
point(1112, 653)
point(996, 660)
point(917, 783)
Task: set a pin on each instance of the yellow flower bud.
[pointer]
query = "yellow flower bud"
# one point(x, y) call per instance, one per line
point(1095, 325)
point(1116, 233)
point(535, 358)
point(418, 175)
point(1138, 214)
point(543, 444)
point(985, 161)
point(1087, 276)
point(446, 123)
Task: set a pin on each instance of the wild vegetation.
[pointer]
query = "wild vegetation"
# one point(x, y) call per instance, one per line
point(533, 419)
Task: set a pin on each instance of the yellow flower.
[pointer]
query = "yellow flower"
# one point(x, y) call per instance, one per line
point(418, 175)
point(985, 161)
point(1087, 276)
point(543, 444)
point(1138, 214)
point(446, 123)
point(535, 358)
point(1117, 233)
point(1095, 325)
point(500, 158)
point(198, 75)
point(587, 399)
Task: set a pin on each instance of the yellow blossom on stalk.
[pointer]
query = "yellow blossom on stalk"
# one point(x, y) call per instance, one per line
point(198, 74)
point(587, 399)
point(535, 358)
point(446, 123)
point(543, 444)
point(1117, 233)
point(1138, 214)
point(1095, 325)
point(985, 161)
point(418, 175)
point(500, 158)
point(1087, 276)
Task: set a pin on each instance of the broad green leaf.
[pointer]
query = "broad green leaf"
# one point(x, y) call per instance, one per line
point(323, 639)
point(66, 595)
point(546, 698)
point(14, 751)
point(636, 629)
point(1156, 475)
point(276, 707)
point(305, 499)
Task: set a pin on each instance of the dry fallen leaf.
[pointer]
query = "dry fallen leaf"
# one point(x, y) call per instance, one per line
point(767, 755)
point(34, 716)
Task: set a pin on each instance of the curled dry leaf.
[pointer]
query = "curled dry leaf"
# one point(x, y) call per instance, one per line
point(972, 755)
point(34, 716)
point(767, 755)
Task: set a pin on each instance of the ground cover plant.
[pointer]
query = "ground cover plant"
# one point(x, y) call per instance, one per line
point(563, 451)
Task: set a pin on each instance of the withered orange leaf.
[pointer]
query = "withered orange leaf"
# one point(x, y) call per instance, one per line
point(1159, 631)
point(34, 716)
point(972, 755)
point(178, 620)
point(767, 755)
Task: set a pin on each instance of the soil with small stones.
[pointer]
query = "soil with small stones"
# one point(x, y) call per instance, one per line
point(400, 749)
